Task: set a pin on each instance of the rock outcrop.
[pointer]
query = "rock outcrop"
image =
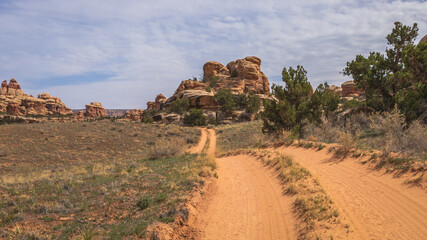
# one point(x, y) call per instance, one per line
point(14, 101)
point(424, 39)
point(11, 89)
point(134, 115)
point(197, 99)
point(336, 89)
point(349, 89)
point(240, 76)
point(158, 104)
point(95, 110)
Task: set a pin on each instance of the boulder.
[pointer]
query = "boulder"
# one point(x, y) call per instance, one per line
point(213, 69)
point(197, 99)
point(95, 110)
point(172, 118)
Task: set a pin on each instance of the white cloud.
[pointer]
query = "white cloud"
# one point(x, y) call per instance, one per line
point(149, 47)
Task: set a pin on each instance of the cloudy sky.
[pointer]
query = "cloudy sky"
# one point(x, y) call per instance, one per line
point(123, 53)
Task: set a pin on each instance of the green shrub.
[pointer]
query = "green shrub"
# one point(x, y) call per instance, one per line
point(142, 203)
point(253, 103)
point(212, 121)
point(195, 117)
point(148, 116)
point(352, 104)
point(292, 109)
point(179, 106)
point(213, 80)
point(234, 73)
point(241, 100)
point(224, 98)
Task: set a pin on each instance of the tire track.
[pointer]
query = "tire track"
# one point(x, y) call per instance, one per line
point(377, 206)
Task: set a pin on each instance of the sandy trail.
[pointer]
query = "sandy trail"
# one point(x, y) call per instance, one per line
point(212, 143)
point(246, 202)
point(202, 142)
point(376, 206)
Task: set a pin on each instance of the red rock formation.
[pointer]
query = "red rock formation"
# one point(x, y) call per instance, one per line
point(3, 89)
point(12, 94)
point(134, 115)
point(349, 88)
point(241, 75)
point(11, 89)
point(424, 39)
point(158, 103)
point(79, 116)
point(95, 110)
point(13, 108)
point(54, 105)
point(336, 89)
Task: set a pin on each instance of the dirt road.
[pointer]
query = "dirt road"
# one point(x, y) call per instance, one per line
point(212, 143)
point(376, 206)
point(246, 202)
point(202, 142)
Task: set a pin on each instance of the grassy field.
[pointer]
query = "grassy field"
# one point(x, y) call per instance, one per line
point(99, 180)
point(241, 135)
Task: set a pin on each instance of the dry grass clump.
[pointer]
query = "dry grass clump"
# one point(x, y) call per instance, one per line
point(164, 148)
point(241, 135)
point(387, 132)
point(398, 136)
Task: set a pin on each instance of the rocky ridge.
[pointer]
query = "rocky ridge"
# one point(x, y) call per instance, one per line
point(14, 101)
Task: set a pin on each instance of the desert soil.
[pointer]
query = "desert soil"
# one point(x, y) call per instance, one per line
point(377, 206)
point(202, 142)
point(247, 200)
